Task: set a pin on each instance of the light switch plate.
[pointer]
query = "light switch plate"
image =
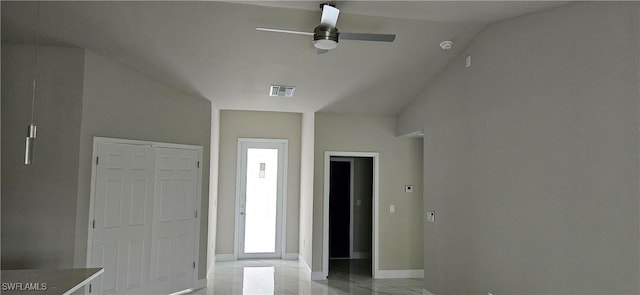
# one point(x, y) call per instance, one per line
point(392, 208)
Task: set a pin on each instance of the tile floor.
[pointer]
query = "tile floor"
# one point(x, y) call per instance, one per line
point(286, 277)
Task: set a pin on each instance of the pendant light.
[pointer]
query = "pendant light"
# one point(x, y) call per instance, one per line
point(31, 128)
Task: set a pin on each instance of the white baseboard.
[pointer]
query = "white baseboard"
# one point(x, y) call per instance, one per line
point(230, 257)
point(318, 276)
point(426, 292)
point(304, 266)
point(225, 257)
point(400, 274)
point(199, 284)
point(361, 255)
point(290, 256)
point(187, 291)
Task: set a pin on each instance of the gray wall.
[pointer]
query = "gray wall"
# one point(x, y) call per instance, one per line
point(400, 164)
point(39, 200)
point(121, 103)
point(531, 157)
point(249, 124)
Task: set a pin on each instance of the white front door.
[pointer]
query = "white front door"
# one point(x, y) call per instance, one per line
point(262, 166)
point(122, 218)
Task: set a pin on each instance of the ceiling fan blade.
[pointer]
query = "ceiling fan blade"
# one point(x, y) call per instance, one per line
point(329, 16)
point(368, 37)
point(321, 51)
point(284, 31)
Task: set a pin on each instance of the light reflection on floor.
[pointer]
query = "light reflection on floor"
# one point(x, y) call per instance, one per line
point(261, 277)
point(258, 280)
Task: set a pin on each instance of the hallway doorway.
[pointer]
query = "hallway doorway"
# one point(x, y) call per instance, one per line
point(350, 215)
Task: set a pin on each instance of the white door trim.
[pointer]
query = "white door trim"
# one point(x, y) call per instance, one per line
point(325, 212)
point(283, 225)
point(98, 140)
point(351, 162)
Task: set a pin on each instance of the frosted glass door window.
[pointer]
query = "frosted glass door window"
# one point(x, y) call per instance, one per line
point(262, 200)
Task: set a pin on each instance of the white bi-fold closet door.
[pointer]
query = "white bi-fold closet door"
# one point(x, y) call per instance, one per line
point(144, 211)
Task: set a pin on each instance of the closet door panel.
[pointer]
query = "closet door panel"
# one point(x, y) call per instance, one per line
point(122, 217)
point(174, 221)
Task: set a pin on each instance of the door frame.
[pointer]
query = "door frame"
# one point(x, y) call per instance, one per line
point(283, 225)
point(325, 212)
point(197, 283)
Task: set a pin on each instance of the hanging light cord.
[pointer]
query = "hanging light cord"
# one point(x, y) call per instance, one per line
point(35, 62)
point(31, 129)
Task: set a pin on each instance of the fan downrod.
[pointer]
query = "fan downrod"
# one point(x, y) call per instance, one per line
point(332, 4)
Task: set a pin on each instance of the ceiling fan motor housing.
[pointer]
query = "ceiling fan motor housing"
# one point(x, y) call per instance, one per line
point(325, 33)
point(325, 37)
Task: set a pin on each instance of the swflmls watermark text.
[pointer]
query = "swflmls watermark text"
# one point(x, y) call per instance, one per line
point(24, 286)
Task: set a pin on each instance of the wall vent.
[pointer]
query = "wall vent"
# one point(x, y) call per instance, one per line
point(279, 90)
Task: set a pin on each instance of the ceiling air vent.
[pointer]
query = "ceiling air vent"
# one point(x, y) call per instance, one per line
point(278, 90)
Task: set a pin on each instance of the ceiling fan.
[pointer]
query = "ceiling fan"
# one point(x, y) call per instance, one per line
point(326, 35)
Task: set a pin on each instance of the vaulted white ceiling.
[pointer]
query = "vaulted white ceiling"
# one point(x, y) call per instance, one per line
point(212, 50)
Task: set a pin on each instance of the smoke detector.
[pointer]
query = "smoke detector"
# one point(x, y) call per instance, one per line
point(279, 90)
point(446, 45)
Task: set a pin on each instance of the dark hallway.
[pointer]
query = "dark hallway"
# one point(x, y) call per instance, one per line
point(350, 216)
point(339, 209)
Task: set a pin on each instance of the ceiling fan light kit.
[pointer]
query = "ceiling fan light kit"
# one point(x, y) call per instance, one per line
point(325, 44)
point(326, 35)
